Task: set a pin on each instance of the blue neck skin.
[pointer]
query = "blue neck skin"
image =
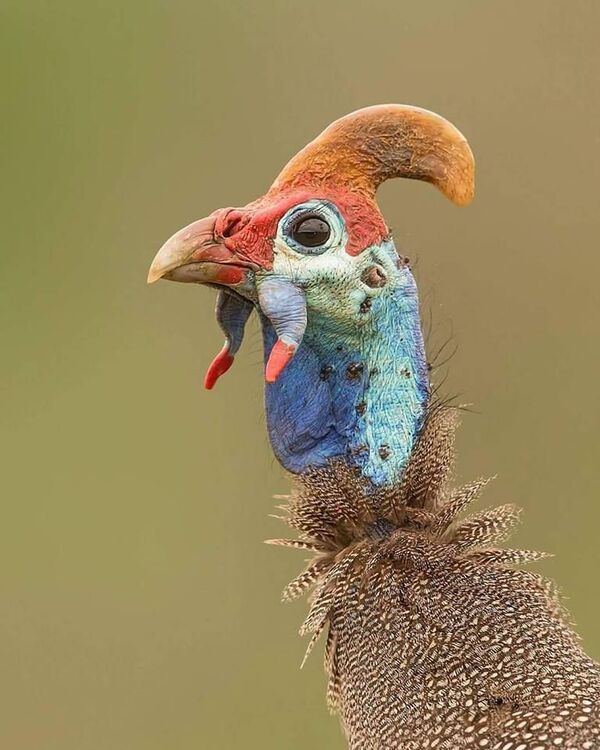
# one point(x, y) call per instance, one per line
point(358, 394)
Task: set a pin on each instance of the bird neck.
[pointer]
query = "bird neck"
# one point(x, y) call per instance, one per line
point(357, 392)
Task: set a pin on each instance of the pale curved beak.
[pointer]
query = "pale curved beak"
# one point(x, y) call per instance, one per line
point(194, 254)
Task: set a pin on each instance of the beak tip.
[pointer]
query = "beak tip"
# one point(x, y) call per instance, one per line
point(153, 275)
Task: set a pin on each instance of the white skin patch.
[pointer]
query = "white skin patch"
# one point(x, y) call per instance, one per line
point(329, 276)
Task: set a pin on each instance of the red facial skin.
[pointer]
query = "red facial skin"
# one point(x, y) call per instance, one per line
point(249, 232)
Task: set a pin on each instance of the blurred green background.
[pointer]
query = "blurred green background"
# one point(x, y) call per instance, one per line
point(139, 609)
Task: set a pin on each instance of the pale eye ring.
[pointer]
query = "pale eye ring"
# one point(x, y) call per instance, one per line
point(310, 231)
point(313, 227)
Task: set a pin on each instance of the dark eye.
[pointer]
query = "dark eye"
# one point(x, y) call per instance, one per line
point(310, 231)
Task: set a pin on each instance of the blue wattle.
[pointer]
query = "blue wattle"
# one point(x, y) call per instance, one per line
point(358, 393)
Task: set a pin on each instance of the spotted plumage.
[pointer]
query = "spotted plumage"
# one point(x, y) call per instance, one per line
point(434, 638)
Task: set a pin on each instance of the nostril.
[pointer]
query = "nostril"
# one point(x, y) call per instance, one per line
point(230, 223)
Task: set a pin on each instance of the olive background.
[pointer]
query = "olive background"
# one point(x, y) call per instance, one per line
point(139, 609)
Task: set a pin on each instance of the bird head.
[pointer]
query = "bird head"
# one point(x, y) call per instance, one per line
point(315, 259)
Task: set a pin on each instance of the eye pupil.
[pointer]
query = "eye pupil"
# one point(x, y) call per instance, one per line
point(311, 231)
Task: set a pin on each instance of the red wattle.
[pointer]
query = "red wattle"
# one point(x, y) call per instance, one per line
point(280, 356)
point(219, 366)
